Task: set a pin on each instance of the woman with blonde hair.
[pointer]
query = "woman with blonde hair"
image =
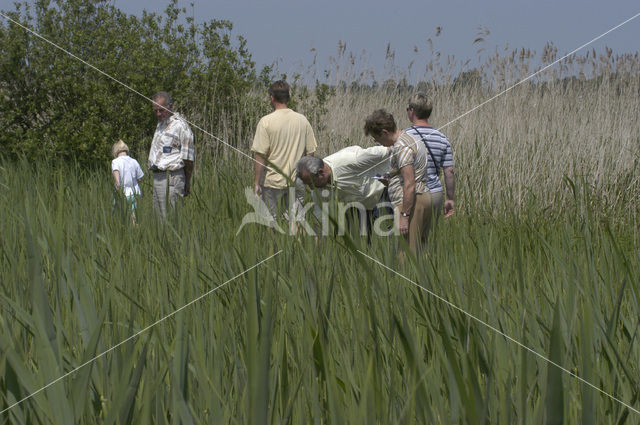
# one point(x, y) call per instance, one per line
point(126, 175)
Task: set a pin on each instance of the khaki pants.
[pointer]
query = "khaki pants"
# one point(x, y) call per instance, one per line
point(425, 213)
point(273, 197)
point(167, 184)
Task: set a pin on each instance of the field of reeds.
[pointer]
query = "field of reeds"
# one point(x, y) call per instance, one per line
point(542, 252)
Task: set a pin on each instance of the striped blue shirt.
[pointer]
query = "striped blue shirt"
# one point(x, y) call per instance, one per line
point(441, 149)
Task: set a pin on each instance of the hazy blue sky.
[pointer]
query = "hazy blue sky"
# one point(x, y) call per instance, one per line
point(285, 31)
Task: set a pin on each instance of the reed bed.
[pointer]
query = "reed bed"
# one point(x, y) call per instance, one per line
point(543, 247)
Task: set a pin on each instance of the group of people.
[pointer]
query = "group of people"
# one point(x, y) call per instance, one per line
point(404, 169)
point(171, 159)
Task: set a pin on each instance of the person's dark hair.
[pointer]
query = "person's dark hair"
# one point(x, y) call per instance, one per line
point(421, 106)
point(280, 91)
point(163, 95)
point(379, 120)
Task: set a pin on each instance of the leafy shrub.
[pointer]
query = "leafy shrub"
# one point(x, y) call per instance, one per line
point(55, 107)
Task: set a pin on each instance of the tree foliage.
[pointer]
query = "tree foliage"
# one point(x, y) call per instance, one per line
point(53, 106)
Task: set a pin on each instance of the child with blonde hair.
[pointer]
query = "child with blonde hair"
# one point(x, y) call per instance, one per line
point(126, 175)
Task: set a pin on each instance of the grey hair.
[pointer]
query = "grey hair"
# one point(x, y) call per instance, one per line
point(166, 96)
point(311, 164)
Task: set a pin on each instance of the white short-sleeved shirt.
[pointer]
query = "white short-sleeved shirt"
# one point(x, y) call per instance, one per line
point(130, 172)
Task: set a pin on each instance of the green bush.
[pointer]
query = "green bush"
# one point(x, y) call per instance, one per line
point(55, 107)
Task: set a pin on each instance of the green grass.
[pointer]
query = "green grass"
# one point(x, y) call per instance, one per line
point(318, 334)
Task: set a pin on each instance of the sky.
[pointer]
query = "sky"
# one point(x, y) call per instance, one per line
point(290, 33)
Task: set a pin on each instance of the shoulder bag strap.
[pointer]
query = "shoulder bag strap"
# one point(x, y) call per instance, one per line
point(433, 158)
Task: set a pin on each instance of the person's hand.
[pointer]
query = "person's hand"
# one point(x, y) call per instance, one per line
point(257, 190)
point(403, 226)
point(384, 179)
point(448, 208)
point(187, 188)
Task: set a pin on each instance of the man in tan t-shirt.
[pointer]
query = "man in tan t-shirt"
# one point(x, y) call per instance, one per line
point(281, 139)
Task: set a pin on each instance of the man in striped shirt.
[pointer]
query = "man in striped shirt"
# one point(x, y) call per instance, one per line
point(440, 155)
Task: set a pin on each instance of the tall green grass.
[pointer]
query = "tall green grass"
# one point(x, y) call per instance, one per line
point(544, 246)
point(319, 333)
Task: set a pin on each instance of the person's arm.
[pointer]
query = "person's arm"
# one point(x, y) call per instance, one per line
point(408, 196)
point(449, 182)
point(116, 178)
point(310, 144)
point(139, 172)
point(261, 147)
point(187, 154)
point(259, 170)
point(150, 160)
point(188, 171)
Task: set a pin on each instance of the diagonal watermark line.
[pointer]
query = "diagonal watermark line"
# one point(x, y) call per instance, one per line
point(217, 139)
point(524, 80)
point(137, 333)
point(498, 331)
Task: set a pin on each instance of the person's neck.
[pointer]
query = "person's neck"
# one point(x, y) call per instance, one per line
point(166, 120)
point(420, 122)
point(329, 172)
point(277, 106)
point(396, 135)
point(122, 154)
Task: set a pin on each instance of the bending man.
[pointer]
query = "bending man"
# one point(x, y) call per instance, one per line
point(351, 173)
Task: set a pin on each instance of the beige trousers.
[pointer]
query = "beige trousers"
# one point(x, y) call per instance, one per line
point(167, 185)
point(426, 210)
point(273, 197)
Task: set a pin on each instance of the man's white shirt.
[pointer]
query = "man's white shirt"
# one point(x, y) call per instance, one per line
point(352, 176)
